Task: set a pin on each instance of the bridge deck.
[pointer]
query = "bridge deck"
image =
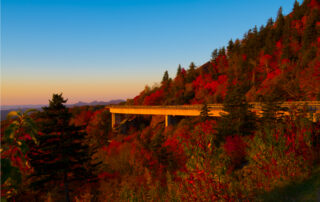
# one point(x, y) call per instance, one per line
point(192, 110)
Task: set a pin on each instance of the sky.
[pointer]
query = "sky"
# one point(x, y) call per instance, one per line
point(111, 49)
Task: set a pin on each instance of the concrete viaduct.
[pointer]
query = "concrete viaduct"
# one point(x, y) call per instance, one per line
point(190, 110)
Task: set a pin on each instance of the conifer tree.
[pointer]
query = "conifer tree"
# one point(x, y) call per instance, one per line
point(295, 6)
point(272, 112)
point(230, 46)
point(61, 157)
point(204, 114)
point(310, 32)
point(191, 72)
point(179, 70)
point(165, 77)
point(238, 119)
point(270, 22)
point(280, 25)
point(214, 55)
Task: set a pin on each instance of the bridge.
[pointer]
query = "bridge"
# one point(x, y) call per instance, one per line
point(191, 110)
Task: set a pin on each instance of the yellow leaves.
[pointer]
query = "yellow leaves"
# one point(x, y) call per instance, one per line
point(13, 114)
point(28, 165)
point(12, 134)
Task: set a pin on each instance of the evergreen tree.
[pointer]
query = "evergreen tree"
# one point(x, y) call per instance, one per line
point(310, 33)
point(230, 46)
point(61, 157)
point(204, 114)
point(222, 51)
point(280, 25)
point(191, 72)
point(272, 113)
point(270, 22)
point(238, 119)
point(295, 6)
point(165, 77)
point(214, 54)
point(179, 70)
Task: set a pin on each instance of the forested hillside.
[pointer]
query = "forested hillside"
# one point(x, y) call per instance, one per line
point(276, 59)
point(73, 154)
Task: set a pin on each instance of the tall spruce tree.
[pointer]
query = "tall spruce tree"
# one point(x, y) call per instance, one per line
point(205, 112)
point(61, 157)
point(279, 25)
point(179, 70)
point(191, 72)
point(239, 118)
point(165, 77)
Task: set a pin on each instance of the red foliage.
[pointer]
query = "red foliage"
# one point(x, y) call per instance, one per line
point(114, 147)
point(244, 57)
point(235, 148)
point(173, 147)
point(273, 74)
point(155, 98)
point(83, 118)
point(106, 175)
point(279, 44)
point(314, 4)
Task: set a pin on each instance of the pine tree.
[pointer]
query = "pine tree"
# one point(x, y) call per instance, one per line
point(204, 114)
point(191, 72)
point(61, 157)
point(238, 119)
point(222, 51)
point(214, 55)
point(295, 6)
point(165, 77)
point(310, 32)
point(179, 70)
point(272, 113)
point(280, 25)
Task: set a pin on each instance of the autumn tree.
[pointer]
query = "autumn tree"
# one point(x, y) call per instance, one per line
point(14, 147)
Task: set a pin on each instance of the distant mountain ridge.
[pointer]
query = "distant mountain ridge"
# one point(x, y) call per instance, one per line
point(96, 103)
point(80, 103)
point(7, 108)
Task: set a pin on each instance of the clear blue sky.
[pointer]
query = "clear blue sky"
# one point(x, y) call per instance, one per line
point(101, 50)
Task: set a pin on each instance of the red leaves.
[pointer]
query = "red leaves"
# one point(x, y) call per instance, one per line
point(244, 57)
point(173, 147)
point(83, 118)
point(106, 175)
point(155, 98)
point(273, 74)
point(114, 147)
point(235, 147)
point(314, 4)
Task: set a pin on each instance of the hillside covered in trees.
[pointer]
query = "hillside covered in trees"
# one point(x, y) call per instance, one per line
point(276, 59)
point(73, 154)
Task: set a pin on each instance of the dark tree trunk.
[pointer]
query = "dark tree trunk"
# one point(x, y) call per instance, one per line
point(66, 188)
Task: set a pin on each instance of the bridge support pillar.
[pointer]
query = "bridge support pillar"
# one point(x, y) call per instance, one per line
point(115, 119)
point(168, 120)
